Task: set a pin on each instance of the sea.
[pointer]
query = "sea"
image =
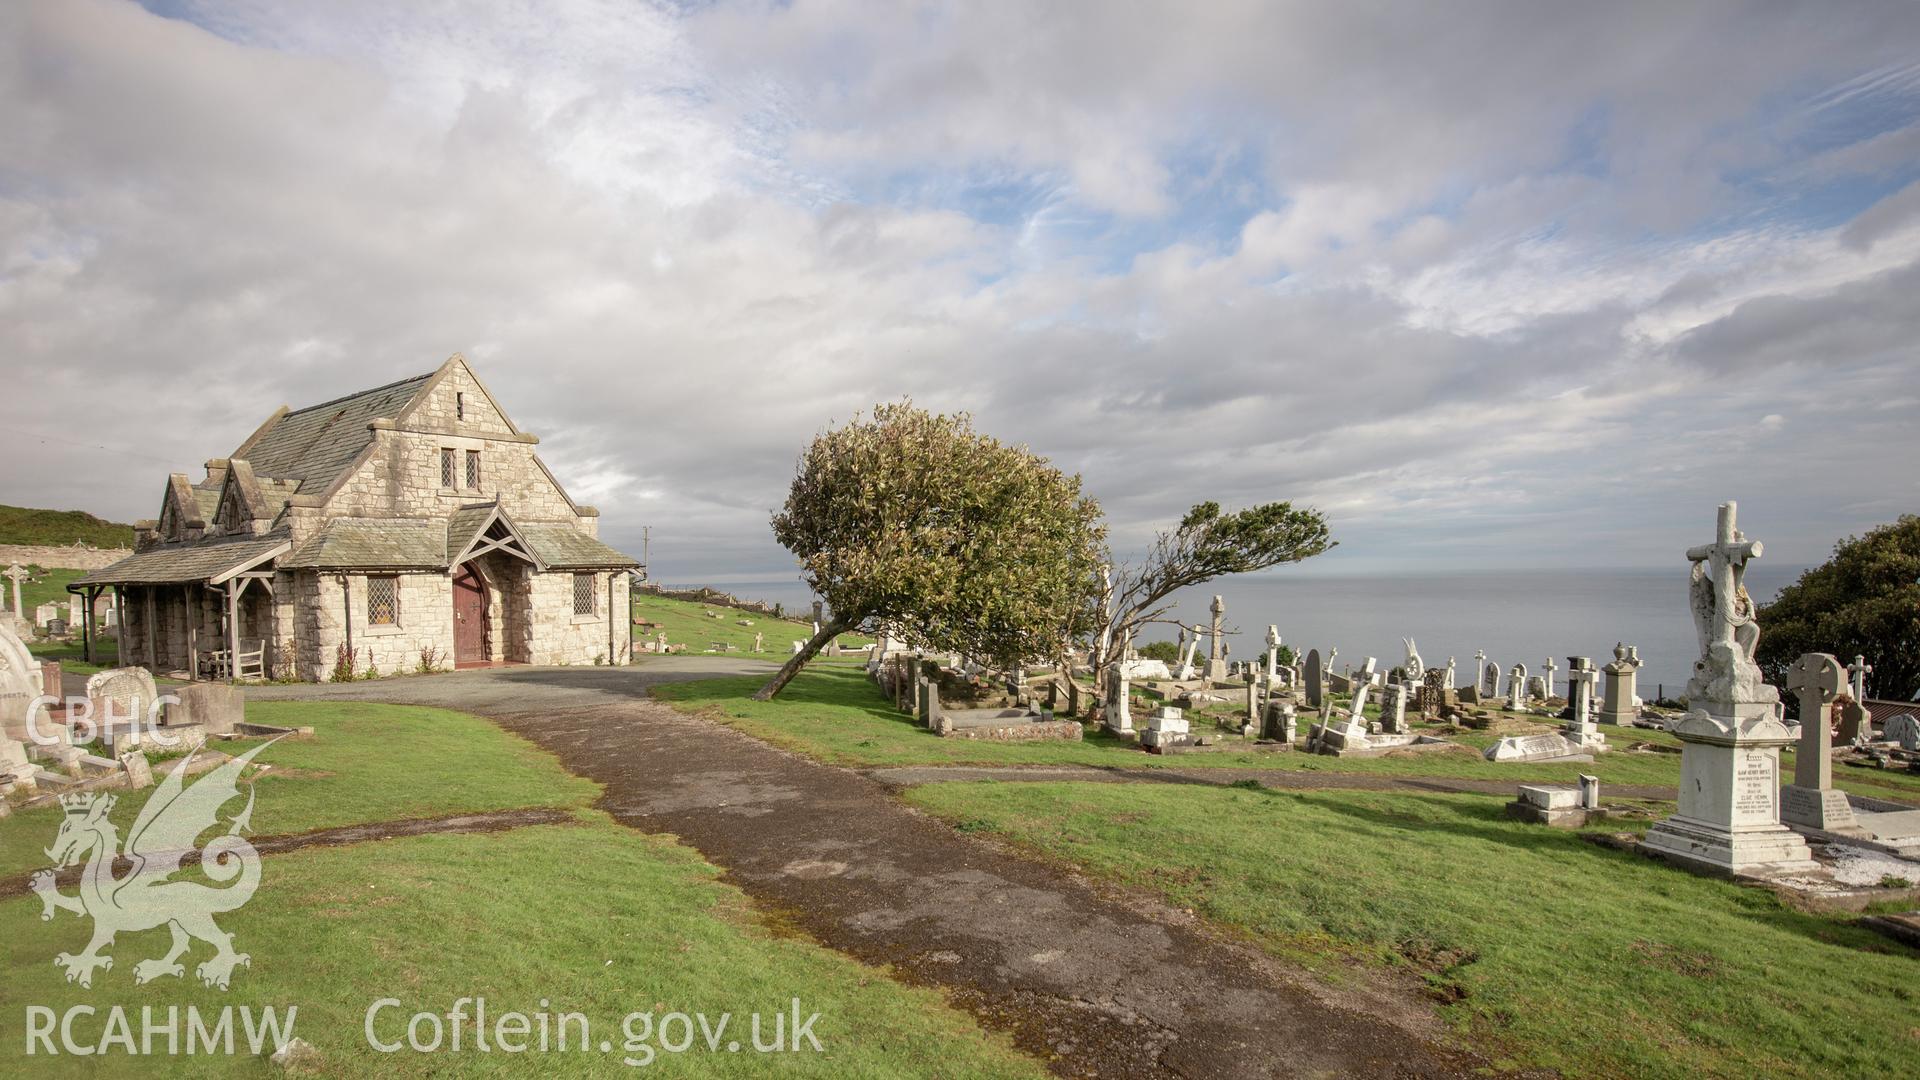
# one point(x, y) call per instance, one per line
point(1516, 616)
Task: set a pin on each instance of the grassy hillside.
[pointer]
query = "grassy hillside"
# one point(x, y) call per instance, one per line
point(21, 525)
point(688, 624)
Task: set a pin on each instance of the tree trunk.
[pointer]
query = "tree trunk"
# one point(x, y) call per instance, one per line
point(799, 660)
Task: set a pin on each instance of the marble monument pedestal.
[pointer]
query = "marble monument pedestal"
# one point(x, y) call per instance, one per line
point(1729, 819)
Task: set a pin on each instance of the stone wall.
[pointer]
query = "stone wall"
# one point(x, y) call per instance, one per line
point(401, 478)
point(61, 557)
point(561, 637)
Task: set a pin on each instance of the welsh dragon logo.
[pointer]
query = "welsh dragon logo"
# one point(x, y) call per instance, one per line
point(162, 836)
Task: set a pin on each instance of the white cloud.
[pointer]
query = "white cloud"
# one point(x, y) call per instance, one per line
point(1450, 274)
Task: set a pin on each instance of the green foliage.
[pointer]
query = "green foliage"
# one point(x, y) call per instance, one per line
point(1207, 544)
point(22, 525)
point(1863, 601)
point(970, 545)
point(1210, 543)
point(1160, 650)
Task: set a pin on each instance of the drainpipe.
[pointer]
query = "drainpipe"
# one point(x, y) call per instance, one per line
point(346, 612)
point(612, 659)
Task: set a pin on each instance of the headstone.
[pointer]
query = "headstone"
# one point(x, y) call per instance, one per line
point(1489, 681)
point(1621, 707)
point(1532, 748)
point(1315, 679)
point(1729, 816)
point(1537, 687)
point(1393, 709)
point(1119, 711)
point(20, 677)
point(1165, 725)
point(930, 701)
point(1252, 723)
point(1412, 668)
point(759, 641)
point(1517, 688)
point(1589, 792)
point(1452, 679)
point(1580, 728)
point(1187, 670)
point(139, 774)
point(217, 707)
point(122, 694)
point(1812, 800)
point(1434, 689)
point(1281, 722)
point(1905, 730)
point(1856, 724)
point(45, 613)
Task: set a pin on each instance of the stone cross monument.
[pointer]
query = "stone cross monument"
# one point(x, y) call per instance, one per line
point(1452, 679)
point(1517, 688)
point(1216, 640)
point(1729, 816)
point(1580, 728)
point(1550, 667)
point(18, 575)
point(1273, 653)
point(1857, 673)
point(1812, 800)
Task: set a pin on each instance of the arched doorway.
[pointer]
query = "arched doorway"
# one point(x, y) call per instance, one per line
point(471, 629)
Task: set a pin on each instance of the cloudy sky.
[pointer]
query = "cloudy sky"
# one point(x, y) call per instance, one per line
point(1491, 284)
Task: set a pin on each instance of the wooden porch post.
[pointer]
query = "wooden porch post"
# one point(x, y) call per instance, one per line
point(233, 630)
point(86, 629)
point(196, 608)
point(146, 595)
point(120, 621)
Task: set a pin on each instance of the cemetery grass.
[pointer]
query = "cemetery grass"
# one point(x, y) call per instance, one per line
point(1539, 949)
point(686, 623)
point(587, 917)
point(365, 762)
point(837, 715)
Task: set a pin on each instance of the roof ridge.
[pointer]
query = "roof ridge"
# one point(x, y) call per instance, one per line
point(361, 393)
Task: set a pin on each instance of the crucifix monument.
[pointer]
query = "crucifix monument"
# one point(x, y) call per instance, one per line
point(1729, 816)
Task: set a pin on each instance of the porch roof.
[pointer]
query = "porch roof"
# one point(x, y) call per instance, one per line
point(172, 564)
point(563, 547)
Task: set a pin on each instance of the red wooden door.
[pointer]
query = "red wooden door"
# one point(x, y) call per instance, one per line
point(469, 617)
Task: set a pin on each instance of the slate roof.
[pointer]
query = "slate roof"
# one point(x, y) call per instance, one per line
point(463, 526)
point(563, 547)
point(314, 445)
point(374, 544)
point(1883, 711)
point(176, 563)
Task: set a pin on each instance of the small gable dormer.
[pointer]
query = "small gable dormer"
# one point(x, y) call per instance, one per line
point(179, 510)
point(243, 505)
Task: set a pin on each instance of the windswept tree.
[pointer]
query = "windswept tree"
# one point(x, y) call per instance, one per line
point(1207, 544)
point(914, 521)
point(1865, 601)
